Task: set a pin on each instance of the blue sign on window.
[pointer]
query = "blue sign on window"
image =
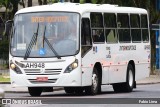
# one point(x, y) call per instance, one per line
point(42, 51)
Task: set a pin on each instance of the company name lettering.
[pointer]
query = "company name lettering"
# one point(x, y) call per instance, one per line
point(124, 48)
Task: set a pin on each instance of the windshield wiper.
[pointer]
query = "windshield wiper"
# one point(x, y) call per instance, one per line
point(49, 44)
point(34, 38)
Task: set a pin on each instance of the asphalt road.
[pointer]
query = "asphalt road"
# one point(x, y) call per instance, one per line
point(142, 93)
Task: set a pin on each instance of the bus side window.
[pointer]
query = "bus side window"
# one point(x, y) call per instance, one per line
point(144, 27)
point(86, 40)
point(135, 27)
point(86, 32)
point(123, 27)
point(97, 27)
point(110, 27)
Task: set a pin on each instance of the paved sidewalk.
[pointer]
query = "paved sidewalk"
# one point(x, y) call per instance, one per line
point(152, 79)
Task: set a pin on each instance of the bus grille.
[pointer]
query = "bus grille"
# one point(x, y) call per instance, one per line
point(43, 72)
point(34, 81)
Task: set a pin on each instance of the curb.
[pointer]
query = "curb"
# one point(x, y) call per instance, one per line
point(148, 83)
point(5, 83)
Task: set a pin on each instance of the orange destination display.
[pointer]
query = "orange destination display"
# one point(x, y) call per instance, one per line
point(49, 19)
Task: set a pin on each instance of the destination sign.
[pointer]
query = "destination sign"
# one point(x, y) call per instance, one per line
point(49, 19)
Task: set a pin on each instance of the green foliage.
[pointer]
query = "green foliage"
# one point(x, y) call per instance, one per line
point(52, 1)
point(4, 79)
point(82, 1)
point(4, 49)
point(94, 1)
point(11, 6)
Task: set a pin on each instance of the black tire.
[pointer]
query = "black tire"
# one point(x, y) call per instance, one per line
point(79, 90)
point(118, 87)
point(35, 91)
point(69, 90)
point(96, 84)
point(129, 84)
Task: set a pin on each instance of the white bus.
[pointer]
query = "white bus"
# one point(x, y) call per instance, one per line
point(109, 45)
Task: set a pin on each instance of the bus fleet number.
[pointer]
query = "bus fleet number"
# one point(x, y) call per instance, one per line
point(35, 65)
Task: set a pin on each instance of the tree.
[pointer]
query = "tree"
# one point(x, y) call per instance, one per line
point(40, 2)
point(29, 3)
point(11, 6)
point(22, 3)
point(7, 4)
point(15, 6)
point(44, 2)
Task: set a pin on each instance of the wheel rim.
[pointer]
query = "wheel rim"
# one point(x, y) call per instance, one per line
point(94, 81)
point(130, 78)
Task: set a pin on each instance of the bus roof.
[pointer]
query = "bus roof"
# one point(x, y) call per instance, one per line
point(82, 8)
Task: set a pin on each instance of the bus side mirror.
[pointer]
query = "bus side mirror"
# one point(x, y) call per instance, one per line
point(8, 26)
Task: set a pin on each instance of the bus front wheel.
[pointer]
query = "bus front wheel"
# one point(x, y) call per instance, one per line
point(94, 88)
point(35, 91)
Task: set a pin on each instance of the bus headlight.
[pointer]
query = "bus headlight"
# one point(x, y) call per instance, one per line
point(15, 68)
point(71, 67)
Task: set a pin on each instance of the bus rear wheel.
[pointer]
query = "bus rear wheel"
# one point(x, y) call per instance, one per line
point(94, 88)
point(35, 91)
point(129, 84)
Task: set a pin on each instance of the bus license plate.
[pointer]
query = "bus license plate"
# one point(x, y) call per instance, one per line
point(35, 65)
point(42, 79)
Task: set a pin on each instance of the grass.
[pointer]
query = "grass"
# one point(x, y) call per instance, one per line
point(4, 66)
point(4, 79)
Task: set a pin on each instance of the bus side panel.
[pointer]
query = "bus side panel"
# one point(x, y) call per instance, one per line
point(96, 55)
point(142, 64)
point(105, 75)
point(87, 69)
point(117, 64)
point(86, 76)
point(117, 72)
point(142, 71)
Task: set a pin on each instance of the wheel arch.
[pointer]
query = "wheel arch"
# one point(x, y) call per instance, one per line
point(131, 62)
point(133, 65)
point(98, 66)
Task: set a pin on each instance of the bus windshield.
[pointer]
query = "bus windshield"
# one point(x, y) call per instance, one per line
point(46, 34)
